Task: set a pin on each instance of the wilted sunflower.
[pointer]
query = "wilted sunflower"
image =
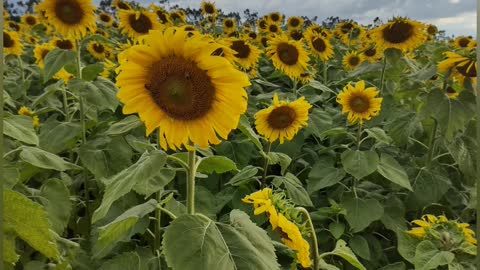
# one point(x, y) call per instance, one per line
point(360, 103)
point(462, 42)
point(295, 34)
point(320, 47)
point(98, 50)
point(175, 84)
point(29, 20)
point(283, 119)
point(64, 43)
point(40, 52)
point(275, 17)
point(402, 34)
point(352, 60)
point(456, 63)
point(229, 26)
point(209, 9)
point(70, 17)
point(246, 54)
point(289, 56)
point(121, 5)
point(12, 43)
point(105, 19)
point(294, 23)
point(137, 23)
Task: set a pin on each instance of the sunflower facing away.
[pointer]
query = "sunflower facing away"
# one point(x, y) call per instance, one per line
point(209, 9)
point(360, 103)
point(246, 54)
point(289, 56)
point(11, 43)
point(320, 46)
point(352, 60)
point(40, 52)
point(402, 34)
point(70, 17)
point(283, 119)
point(137, 23)
point(175, 84)
point(29, 20)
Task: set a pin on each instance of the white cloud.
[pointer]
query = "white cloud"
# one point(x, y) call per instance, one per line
point(454, 1)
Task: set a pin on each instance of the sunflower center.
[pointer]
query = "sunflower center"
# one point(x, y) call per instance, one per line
point(44, 53)
point(180, 88)
point(105, 18)
point(354, 60)
point(69, 11)
point(64, 44)
point(296, 35)
point(7, 41)
point(31, 20)
point(175, 16)
point(140, 25)
point(319, 45)
point(162, 16)
point(463, 42)
point(14, 26)
point(281, 117)
point(275, 17)
point(209, 9)
point(370, 52)
point(432, 30)
point(467, 70)
point(252, 35)
point(398, 32)
point(98, 48)
point(228, 23)
point(273, 28)
point(287, 53)
point(294, 22)
point(262, 24)
point(242, 49)
point(359, 104)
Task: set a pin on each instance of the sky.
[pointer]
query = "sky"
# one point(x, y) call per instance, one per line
point(456, 17)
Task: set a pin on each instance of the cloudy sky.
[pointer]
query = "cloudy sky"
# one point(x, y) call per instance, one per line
point(456, 17)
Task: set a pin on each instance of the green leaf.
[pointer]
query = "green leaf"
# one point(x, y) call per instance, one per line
point(196, 242)
point(90, 72)
point(46, 160)
point(359, 163)
point(379, 135)
point(119, 229)
point(359, 245)
point(346, 253)
point(325, 266)
point(124, 261)
point(55, 198)
point(20, 128)
point(279, 158)
point(429, 187)
point(10, 256)
point(393, 171)
point(147, 166)
point(60, 137)
point(29, 221)
point(148, 186)
point(205, 202)
point(336, 229)
point(428, 256)
point(216, 164)
point(246, 129)
point(395, 266)
point(295, 190)
point(100, 93)
point(394, 215)
point(93, 159)
point(360, 212)
point(56, 60)
point(125, 125)
point(322, 176)
point(245, 175)
point(407, 245)
point(318, 122)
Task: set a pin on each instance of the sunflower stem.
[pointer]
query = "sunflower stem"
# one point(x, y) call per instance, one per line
point(431, 142)
point(359, 135)
point(158, 213)
point(192, 168)
point(316, 253)
point(382, 78)
point(265, 165)
point(325, 79)
point(22, 71)
point(295, 83)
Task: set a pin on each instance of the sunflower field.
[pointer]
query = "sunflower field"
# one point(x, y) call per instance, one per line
point(145, 138)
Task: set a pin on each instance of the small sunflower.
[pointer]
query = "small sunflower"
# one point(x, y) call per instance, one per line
point(40, 52)
point(432, 30)
point(25, 111)
point(246, 54)
point(262, 25)
point(137, 23)
point(252, 36)
point(121, 5)
point(175, 84)
point(212, 20)
point(70, 17)
point(317, 29)
point(462, 42)
point(229, 26)
point(13, 26)
point(460, 67)
point(64, 43)
point(162, 15)
point(105, 19)
point(209, 9)
point(282, 120)
point(371, 53)
point(29, 20)
point(360, 103)
point(352, 60)
point(320, 46)
point(274, 28)
point(294, 23)
point(289, 56)
point(30, 39)
point(12, 43)
point(402, 34)
point(177, 16)
point(64, 75)
point(350, 32)
point(275, 17)
point(101, 33)
point(108, 68)
point(295, 34)
point(98, 50)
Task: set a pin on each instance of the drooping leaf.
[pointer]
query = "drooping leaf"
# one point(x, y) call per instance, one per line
point(246, 129)
point(279, 158)
point(244, 176)
point(60, 137)
point(393, 171)
point(46, 160)
point(148, 186)
point(125, 125)
point(359, 163)
point(336, 229)
point(55, 197)
point(90, 72)
point(359, 245)
point(20, 128)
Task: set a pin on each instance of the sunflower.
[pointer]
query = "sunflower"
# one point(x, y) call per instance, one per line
point(472, 45)
point(13, 26)
point(11, 43)
point(98, 50)
point(6, 15)
point(108, 68)
point(282, 120)
point(64, 75)
point(264, 41)
point(360, 103)
point(295, 34)
point(70, 17)
point(246, 54)
point(289, 56)
point(25, 111)
point(402, 34)
point(274, 28)
point(105, 19)
point(121, 5)
point(101, 33)
point(352, 60)
point(252, 36)
point(275, 17)
point(229, 26)
point(162, 15)
point(371, 53)
point(175, 84)
point(262, 25)
point(64, 43)
point(137, 23)
point(466, 66)
point(317, 29)
point(30, 39)
point(431, 29)
point(320, 46)
point(209, 9)
point(451, 93)
point(350, 32)
point(462, 42)
point(294, 23)
point(29, 20)
point(40, 52)
point(177, 16)
point(212, 20)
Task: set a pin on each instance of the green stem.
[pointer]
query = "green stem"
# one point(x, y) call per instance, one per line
point(265, 165)
point(325, 79)
point(295, 87)
point(158, 225)
point(22, 71)
point(192, 168)
point(359, 135)
point(382, 78)
point(65, 103)
point(431, 142)
point(316, 253)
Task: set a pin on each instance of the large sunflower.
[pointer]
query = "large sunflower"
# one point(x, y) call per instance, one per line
point(137, 23)
point(29, 20)
point(40, 52)
point(289, 56)
point(209, 9)
point(402, 34)
point(360, 103)
point(70, 17)
point(282, 120)
point(12, 43)
point(458, 64)
point(352, 60)
point(246, 54)
point(320, 46)
point(294, 23)
point(462, 42)
point(175, 84)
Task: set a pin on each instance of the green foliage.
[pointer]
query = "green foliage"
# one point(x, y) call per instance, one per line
point(56, 60)
point(46, 160)
point(20, 128)
point(359, 163)
point(361, 212)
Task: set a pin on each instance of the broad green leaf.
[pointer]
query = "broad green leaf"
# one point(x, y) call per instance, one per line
point(393, 171)
point(246, 129)
point(346, 253)
point(124, 261)
point(10, 256)
point(322, 176)
point(464, 150)
point(119, 229)
point(395, 266)
point(407, 245)
point(216, 164)
point(336, 229)
point(20, 128)
point(60, 137)
point(318, 122)
point(394, 215)
point(93, 159)
point(125, 125)
point(148, 186)
point(90, 72)
point(29, 222)
point(100, 93)
point(279, 158)
point(294, 187)
point(455, 266)
point(379, 135)
point(361, 212)
point(428, 256)
point(359, 245)
point(56, 60)
point(244, 176)
point(429, 187)
point(46, 160)
point(55, 198)
point(11, 175)
point(205, 202)
point(359, 163)
point(147, 166)
point(325, 266)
